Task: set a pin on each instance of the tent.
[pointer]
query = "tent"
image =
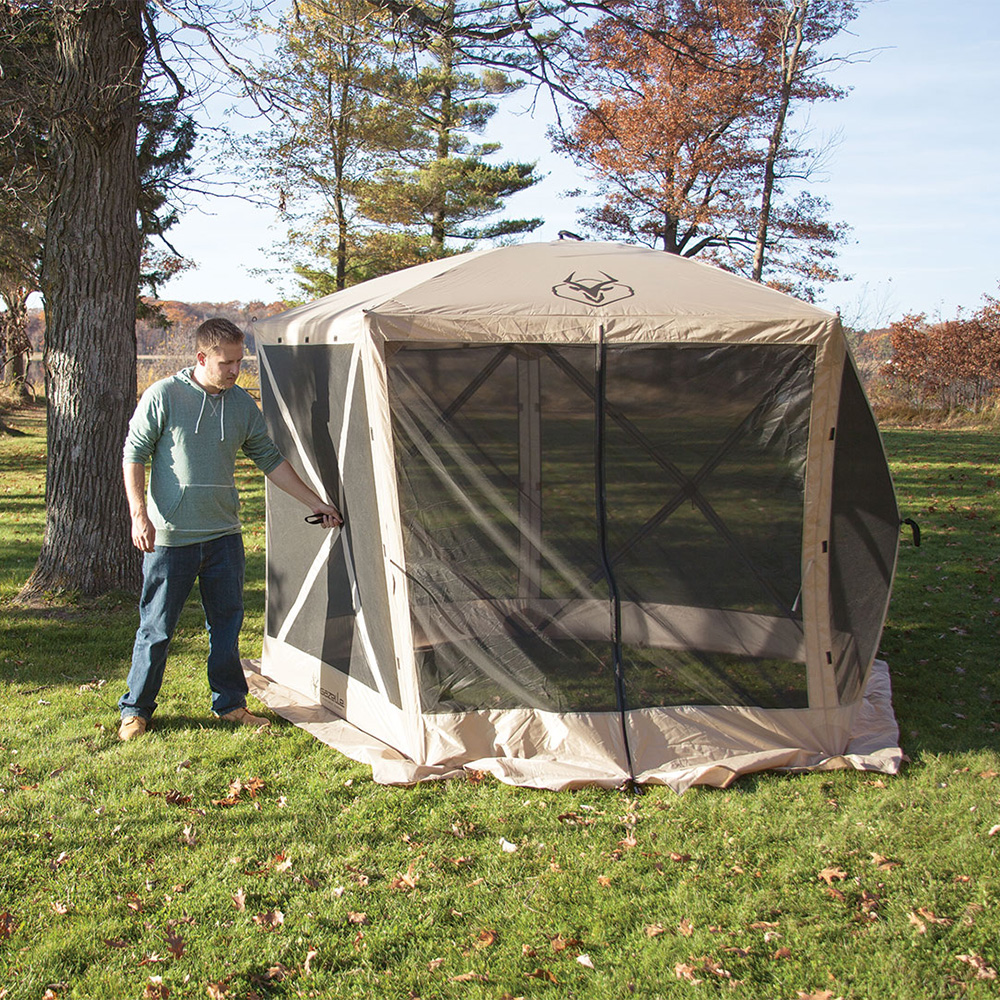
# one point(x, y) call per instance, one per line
point(610, 514)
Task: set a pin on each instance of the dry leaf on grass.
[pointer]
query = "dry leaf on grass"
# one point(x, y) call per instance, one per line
point(357, 918)
point(60, 908)
point(486, 938)
point(652, 930)
point(883, 863)
point(684, 971)
point(585, 961)
point(310, 955)
point(977, 962)
point(543, 974)
point(829, 875)
point(506, 846)
point(239, 899)
point(816, 995)
point(216, 991)
point(155, 990)
point(269, 921)
point(435, 963)
point(782, 953)
point(994, 830)
point(175, 945)
point(674, 856)
point(603, 881)
point(407, 881)
point(468, 977)
point(685, 928)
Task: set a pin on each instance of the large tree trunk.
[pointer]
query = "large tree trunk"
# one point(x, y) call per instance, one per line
point(90, 273)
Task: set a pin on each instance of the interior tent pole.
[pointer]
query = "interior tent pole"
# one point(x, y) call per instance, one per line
point(529, 476)
point(601, 503)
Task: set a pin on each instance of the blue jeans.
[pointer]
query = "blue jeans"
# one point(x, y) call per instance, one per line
point(168, 574)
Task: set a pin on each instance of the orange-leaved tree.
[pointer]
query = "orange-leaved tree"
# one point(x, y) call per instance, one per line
point(683, 126)
point(951, 363)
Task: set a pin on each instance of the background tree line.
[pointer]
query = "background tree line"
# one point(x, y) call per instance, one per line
point(679, 111)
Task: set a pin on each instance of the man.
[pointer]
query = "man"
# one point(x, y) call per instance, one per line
point(191, 425)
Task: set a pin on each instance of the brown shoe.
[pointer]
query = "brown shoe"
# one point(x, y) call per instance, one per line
point(132, 725)
point(245, 718)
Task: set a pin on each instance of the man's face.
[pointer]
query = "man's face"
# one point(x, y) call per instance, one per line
point(217, 370)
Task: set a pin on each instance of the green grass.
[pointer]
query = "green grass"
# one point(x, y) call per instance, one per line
point(644, 886)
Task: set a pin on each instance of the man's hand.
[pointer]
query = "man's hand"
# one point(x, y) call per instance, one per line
point(332, 517)
point(143, 532)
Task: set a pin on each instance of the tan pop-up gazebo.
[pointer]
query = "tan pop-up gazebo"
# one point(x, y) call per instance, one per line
point(610, 514)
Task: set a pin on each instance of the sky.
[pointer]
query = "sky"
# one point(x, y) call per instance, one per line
point(913, 172)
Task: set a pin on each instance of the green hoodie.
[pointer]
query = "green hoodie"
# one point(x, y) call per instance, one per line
point(192, 438)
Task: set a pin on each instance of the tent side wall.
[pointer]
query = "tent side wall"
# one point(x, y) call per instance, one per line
point(329, 625)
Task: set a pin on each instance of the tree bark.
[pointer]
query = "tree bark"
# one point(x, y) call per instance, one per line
point(789, 48)
point(90, 273)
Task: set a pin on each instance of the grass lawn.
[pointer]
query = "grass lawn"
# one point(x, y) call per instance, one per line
point(200, 862)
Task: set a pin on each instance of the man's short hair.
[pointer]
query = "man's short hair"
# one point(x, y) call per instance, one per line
point(215, 332)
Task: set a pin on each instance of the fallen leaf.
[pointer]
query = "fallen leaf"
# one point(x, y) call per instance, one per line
point(543, 974)
point(603, 880)
point(684, 971)
point(271, 920)
point(685, 928)
point(653, 930)
point(155, 990)
point(627, 842)
point(239, 899)
point(977, 962)
point(176, 798)
point(468, 977)
point(216, 991)
point(585, 961)
point(883, 863)
point(994, 830)
point(188, 836)
point(61, 908)
point(357, 918)
point(434, 964)
point(282, 864)
point(931, 917)
point(836, 893)
point(277, 973)
point(918, 923)
point(175, 945)
point(818, 995)
point(407, 881)
point(506, 846)
point(486, 938)
point(762, 925)
point(828, 875)
point(310, 955)
point(527, 951)
point(782, 953)
point(674, 856)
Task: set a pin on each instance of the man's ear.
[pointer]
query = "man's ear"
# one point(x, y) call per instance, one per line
point(200, 357)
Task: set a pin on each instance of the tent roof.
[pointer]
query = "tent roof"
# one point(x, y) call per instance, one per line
point(541, 291)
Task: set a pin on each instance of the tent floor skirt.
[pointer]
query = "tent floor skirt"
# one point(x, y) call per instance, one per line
point(873, 746)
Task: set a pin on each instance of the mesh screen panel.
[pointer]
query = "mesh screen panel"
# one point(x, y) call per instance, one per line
point(321, 619)
point(705, 454)
point(864, 536)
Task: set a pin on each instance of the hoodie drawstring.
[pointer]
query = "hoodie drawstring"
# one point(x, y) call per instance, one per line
point(222, 414)
point(204, 397)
